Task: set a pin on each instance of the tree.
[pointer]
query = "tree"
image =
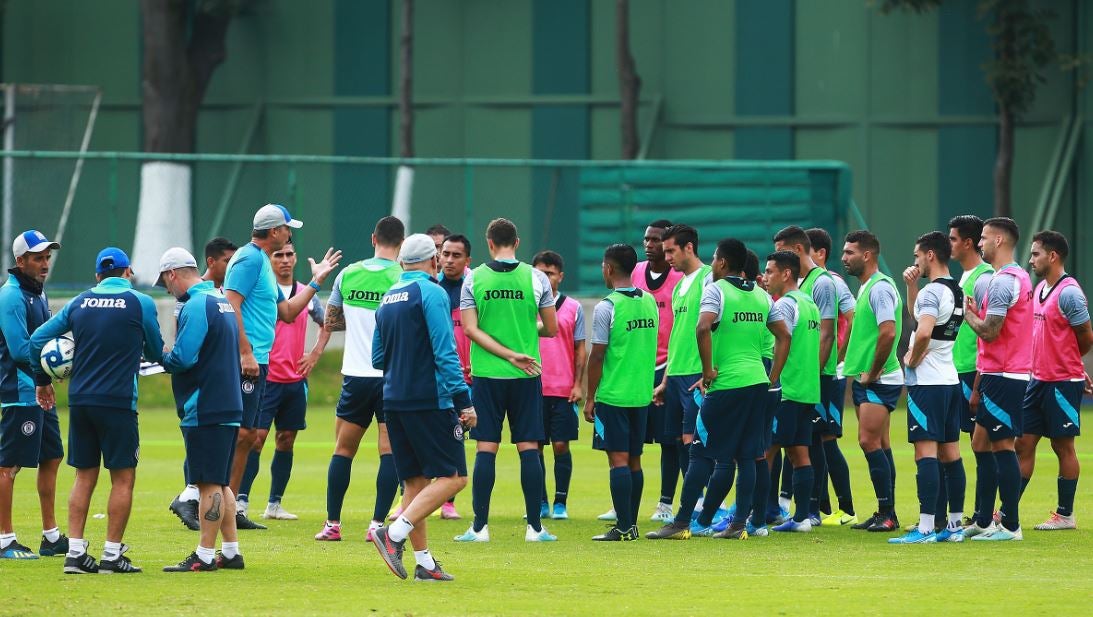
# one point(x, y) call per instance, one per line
point(629, 82)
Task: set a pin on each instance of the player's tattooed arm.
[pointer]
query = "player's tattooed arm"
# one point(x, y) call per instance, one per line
point(335, 319)
point(988, 327)
point(213, 513)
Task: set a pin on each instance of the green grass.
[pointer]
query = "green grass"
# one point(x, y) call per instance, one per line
point(829, 571)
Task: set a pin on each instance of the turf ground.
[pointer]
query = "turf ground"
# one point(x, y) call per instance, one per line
point(830, 571)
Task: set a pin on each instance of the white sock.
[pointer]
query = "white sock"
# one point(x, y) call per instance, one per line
point(926, 523)
point(190, 493)
point(230, 549)
point(400, 529)
point(6, 539)
point(111, 550)
point(424, 559)
point(76, 547)
point(52, 535)
point(784, 503)
point(698, 504)
point(205, 554)
point(955, 519)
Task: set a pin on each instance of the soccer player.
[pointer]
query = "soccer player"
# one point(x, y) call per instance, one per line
point(357, 292)
point(1061, 335)
point(793, 420)
point(455, 259)
point(933, 389)
point(111, 325)
point(1003, 323)
point(500, 302)
point(251, 288)
point(878, 377)
point(285, 398)
point(30, 435)
point(624, 348)
point(564, 358)
point(438, 233)
point(423, 387)
point(204, 367)
point(837, 467)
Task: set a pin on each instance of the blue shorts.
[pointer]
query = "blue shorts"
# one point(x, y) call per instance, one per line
point(209, 453)
point(681, 406)
point(933, 413)
point(967, 418)
point(793, 424)
point(823, 416)
point(621, 429)
point(361, 400)
point(427, 444)
point(730, 423)
point(253, 389)
point(102, 434)
point(521, 399)
point(29, 436)
point(1001, 402)
point(877, 394)
point(774, 399)
point(286, 403)
point(1051, 408)
point(560, 419)
point(833, 393)
point(654, 420)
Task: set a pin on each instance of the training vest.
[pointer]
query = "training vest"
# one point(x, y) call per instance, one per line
point(1054, 347)
point(629, 362)
point(361, 287)
point(1011, 352)
point(863, 336)
point(662, 295)
point(557, 351)
point(949, 330)
point(799, 376)
point(842, 324)
point(806, 288)
point(683, 358)
point(507, 311)
point(738, 337)
point(964, 351)
point(462, 343)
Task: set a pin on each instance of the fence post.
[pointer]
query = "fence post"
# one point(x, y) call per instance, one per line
point(468, 199)
point(112, 198)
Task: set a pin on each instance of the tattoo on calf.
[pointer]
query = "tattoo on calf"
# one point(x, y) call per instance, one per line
point(213, 514)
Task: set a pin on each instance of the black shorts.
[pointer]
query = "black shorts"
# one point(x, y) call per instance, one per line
point(822, 421)
point(361, 400)
point(621, 429)
point(654, 419)
point(877, 394)
point(967, 418)
point(560, 419)
point(933, 413)
point(730, 423)
point(681, 406)
point(209, 453)
point(102, 434)
point(253, 390)
point(1051, 408)
point(29, 436)
point(774, 399)
point(1001, 402)
point(520, 399)
point(793, 424)
point(427, 444)
point(285, 403)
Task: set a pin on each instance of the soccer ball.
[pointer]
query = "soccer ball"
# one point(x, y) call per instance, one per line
point(57, 357)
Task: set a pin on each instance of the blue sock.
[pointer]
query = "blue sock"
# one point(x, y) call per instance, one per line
point(1067, 488)
point(787, 478)
point(746, 477)
point(698, 474)
point(775, 481)
point(542, 463)
point(761, 494)
point(1024, 484)
point(683, 454)
point(881, 475)
point(669, 472)
point(892, 468)
point(1009, 488)
point(485, 473)
point(942, 509)
point(387, 484)
point(531, 481)
point(716, 490)
point(929, 476)
point(803, 480)
point(839, 471)
point(819, 473)
point(637, 485)
point(621, 493)
point(986, 487)
point(337, 482)
point(250, 472)
point(563, 472)
point(280, 469)
point(956, 483)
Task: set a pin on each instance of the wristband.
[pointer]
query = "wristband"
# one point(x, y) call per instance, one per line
point(314, 286)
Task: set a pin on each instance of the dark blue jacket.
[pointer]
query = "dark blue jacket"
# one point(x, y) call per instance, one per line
point(23, 308)
point(204, 363)
point(415, 346)
point(111, 325)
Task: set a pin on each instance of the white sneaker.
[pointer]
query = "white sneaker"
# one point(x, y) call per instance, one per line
point(663, 513)
point(275, 511)
point(1057, 521)
point(608, 516)
point(475, 536)
point(539, 536)
point(242, 506)
point(974, 530)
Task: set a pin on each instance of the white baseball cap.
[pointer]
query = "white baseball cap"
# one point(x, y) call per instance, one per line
point(31, 241)
point(271, 216)
point(417, 248)
point(173, 259)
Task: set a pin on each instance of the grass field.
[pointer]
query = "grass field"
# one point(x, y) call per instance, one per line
point(830, 571)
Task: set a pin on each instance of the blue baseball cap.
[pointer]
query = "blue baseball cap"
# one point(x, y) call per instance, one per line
point(111, 258)
point(31, 241)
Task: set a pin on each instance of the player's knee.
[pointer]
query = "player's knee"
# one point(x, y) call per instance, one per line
point(285, 440)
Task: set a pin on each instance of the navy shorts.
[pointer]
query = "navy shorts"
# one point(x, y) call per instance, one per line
point(285, 403)
point(621, 429)
point(730, 423)
point(1001, 402)
point(821, 424)
point(29, 436)
point(681, 406)
point(933, 413)
point(361, 400)
point(521, 399)
point(654, 420)
point(876, 393)
point(967, 417)
point(774, 399)
point(1051, 408)
point(102, 434)
point(793, 424)
point(560, 421)
point(835, 396)
point(427, 444)
point(253, 389)
point(209, 453)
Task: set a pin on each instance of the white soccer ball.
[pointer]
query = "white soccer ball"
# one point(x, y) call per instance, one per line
point(57, 357)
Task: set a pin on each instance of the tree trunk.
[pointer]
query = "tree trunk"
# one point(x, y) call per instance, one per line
point(629, 82)
point(1003, 163)
point(406, 88)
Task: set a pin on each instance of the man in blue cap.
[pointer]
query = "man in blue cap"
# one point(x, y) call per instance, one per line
point(112, 325)
point(30, 435)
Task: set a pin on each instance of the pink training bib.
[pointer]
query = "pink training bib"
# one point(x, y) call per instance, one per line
point(1054, 346)
point(557, 352)
point(1011, 352)
point(663, 297)
point(462, 345)
point(288, 347)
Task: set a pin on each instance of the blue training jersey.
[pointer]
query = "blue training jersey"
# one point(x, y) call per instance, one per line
point(23, 308)
point(250, 275)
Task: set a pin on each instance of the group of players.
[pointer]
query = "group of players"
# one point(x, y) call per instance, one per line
point(724, 366)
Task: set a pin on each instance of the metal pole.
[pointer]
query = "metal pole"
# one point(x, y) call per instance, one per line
point(9, 167)
point(75, 181)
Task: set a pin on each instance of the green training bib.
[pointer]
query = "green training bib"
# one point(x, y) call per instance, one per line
point(629, 363)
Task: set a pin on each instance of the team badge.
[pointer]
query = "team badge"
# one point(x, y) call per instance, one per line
point(136, 454)
point(457, 432)
point(248, 387)
point(29, 428)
